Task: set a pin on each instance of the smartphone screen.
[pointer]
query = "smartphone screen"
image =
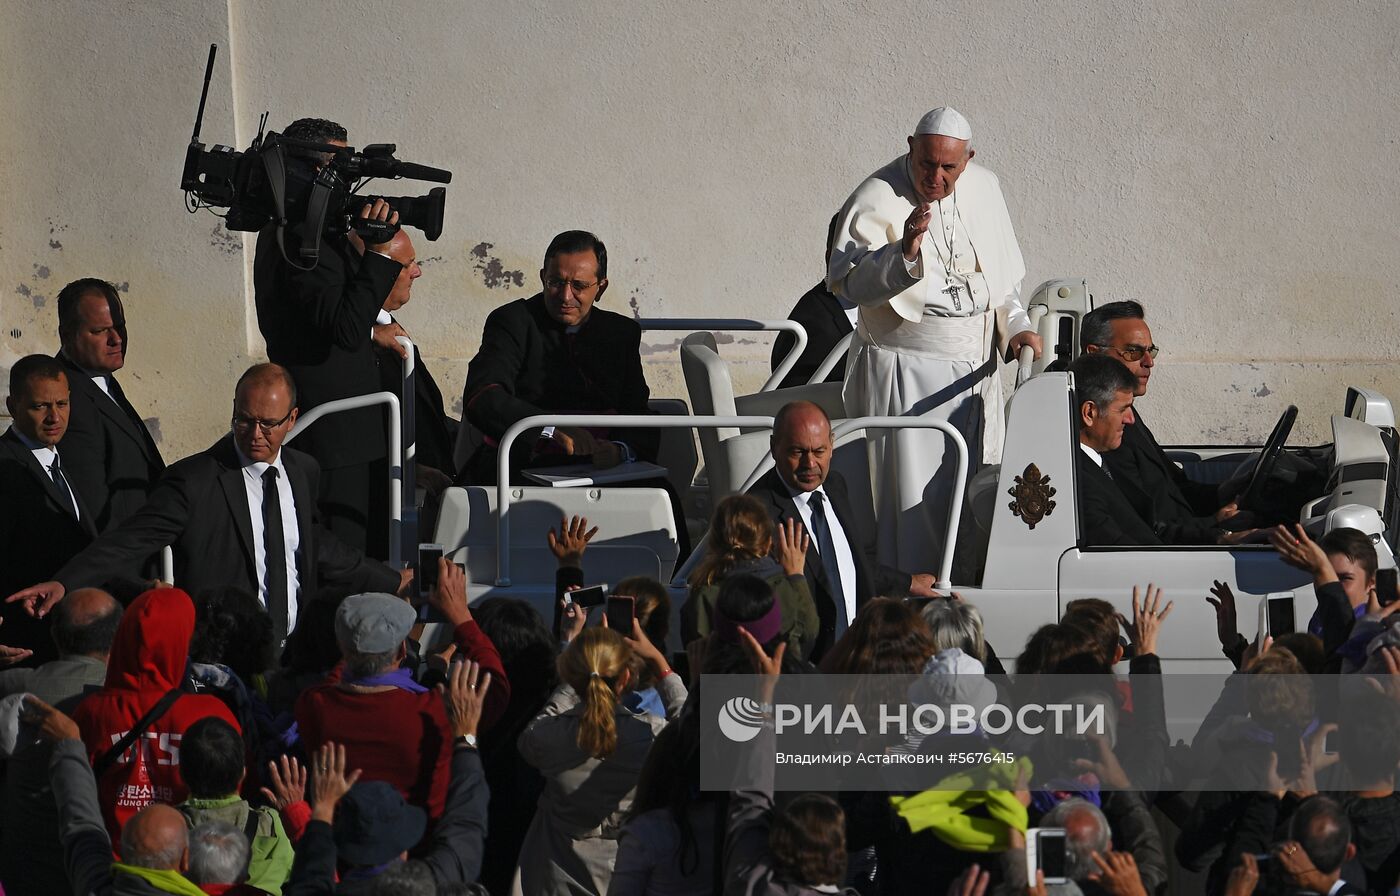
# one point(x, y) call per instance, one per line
point(620, 611)
point(1050, 854)
point(1281, 614)
point(590, 597)
point(428, 556)
point(1386, 586)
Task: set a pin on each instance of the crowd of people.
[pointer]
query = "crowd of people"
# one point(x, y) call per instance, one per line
point(278, 723)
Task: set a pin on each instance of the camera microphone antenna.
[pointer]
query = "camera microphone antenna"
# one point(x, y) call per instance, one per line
point(204, 94)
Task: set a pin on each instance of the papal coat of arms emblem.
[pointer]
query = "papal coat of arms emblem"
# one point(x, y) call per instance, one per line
point(1032, 496)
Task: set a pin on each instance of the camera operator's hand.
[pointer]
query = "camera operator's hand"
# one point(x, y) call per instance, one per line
point(382, 222)
point(384, 334)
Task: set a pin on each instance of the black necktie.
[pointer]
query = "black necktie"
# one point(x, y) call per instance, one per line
point(826, 548)
point(275, 552)
point(56, 473)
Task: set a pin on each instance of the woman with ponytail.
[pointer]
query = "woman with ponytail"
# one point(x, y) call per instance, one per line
point(741, 538)
point(590, 748)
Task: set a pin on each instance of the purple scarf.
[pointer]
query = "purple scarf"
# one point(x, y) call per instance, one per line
point(400, 678)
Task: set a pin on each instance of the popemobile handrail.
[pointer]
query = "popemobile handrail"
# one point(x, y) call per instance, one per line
point(712, 324)
point(670, 421)
point(408, 421)
point(354, 403)
point(630, 421)
point(845, 427)
point(833, 357)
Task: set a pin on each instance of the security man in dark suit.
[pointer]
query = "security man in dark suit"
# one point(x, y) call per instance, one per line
point(842, 571)
point(1179, 510)
point(824, 317)
point(109, 455)
point(1103, 406)
point(240, 514)
point(45, 520)
point(557, 352)
point(316, 324)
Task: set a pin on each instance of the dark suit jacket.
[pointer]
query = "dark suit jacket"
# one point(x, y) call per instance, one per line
point(872, 579)
point(433, 435)
point(317, 324)
point(826, 323)
point(1179, 510)
point(200, 508)
point(108, 456)
point(529, 365)
point(1106, 516)
point(38, 534)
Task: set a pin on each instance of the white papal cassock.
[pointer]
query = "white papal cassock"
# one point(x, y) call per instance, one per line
point(923, 341)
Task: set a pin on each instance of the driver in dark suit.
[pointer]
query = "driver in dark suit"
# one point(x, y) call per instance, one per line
point(240, 514)
point(1103, 407)
point(1179, 510)
point(842, 571)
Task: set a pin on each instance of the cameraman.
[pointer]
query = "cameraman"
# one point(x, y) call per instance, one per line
point(316, 324)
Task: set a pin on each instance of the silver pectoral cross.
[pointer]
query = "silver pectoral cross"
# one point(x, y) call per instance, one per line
point(954, 292)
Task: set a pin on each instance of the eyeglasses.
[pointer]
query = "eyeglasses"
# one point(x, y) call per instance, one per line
point(1132, 352)
point(243, 423)
point(554, 284)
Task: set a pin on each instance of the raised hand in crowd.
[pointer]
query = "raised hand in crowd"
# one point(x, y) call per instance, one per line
point(329, 781)
point(1117, 874)
point(1299, 869)
point(1107, 768)
point(11, 655)
point(1227, 623)
point(571, 541)
point(574, 616)
point(1298, 550)
point(286, 782)
point(1244, 877)
point(1390, 684)
point(767, 668)
point(1303, 785)
point(449, 596)
point(1038, 888)
point(1255, 650)
point(790, 547)
point(464, 694)
point(648, 652)
point(972, 882)
point(53, 726)
point(1148, 615)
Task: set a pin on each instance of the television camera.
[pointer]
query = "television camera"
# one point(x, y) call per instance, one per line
point(285, 181)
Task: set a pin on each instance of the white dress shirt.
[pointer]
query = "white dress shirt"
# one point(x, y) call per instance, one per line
point(253, 487)
point(1094, 456)
point(46, 456)
point(845, 560)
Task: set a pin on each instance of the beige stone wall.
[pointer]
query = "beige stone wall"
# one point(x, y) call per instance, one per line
point(1231, 165)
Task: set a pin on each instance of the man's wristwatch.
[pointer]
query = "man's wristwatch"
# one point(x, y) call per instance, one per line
point(465, 740)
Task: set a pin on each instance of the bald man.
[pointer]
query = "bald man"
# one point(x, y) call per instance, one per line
point(926, 248)
point(242, 513)
point(842, 571)
point(434, 432)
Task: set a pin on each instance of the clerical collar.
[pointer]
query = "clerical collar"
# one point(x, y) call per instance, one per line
point(383, 317)
point(1096, 457)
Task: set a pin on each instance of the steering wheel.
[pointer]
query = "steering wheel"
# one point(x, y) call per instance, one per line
point(1268, 459)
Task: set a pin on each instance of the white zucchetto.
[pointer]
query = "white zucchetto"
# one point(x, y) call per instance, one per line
point(945, 121)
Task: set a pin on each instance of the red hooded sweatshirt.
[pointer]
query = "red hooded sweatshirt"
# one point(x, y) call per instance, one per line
point(148, 660)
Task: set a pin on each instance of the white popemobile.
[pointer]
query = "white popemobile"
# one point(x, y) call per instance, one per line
point(1025, 510)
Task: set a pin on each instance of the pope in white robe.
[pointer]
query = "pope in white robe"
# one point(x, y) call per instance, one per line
point(926, 249)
